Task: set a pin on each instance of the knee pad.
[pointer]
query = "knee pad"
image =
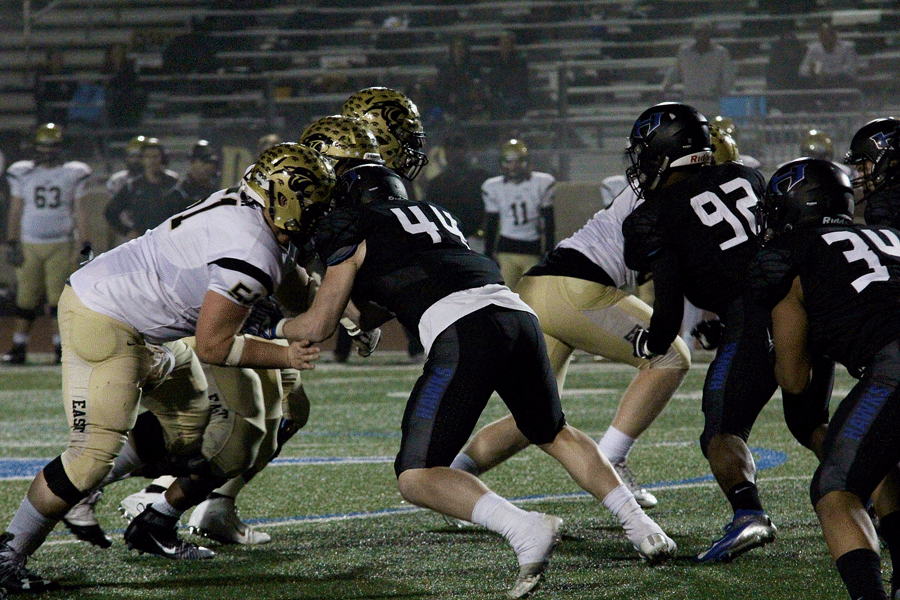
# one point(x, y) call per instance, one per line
point(60, 484)
point(28, 314)
point(197, 486)
point(53, 311)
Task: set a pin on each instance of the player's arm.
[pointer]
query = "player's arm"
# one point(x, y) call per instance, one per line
point(14, 219)
point(218, 342)
point(790, 330)
point(668, 302)
point(320, 321)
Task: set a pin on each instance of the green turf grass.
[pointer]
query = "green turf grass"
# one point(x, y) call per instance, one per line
point(341, 531)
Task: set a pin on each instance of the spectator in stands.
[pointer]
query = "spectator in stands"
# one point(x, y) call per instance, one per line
point(704, 68)
point(781, 71)
point(506, 70)
point(125, 98)
point(830, 62)
point(458, 189)
point(48, 92)
point(138, 206)
point(191, 52)
point(456, 91)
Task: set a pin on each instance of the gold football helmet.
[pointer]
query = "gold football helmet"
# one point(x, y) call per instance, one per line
point(135, 145)
point(48, 140)
point(727, 125)
point(338, 137)
point(394, 120)
point(293, 183)
point(817, 144)
point(724, 148)
point(514, 159)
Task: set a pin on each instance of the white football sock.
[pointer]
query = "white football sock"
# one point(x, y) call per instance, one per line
point(162, 506)
point(464, 462)
point(527, 532)
point(634, 520)
point(29, 528)
point(615, 445)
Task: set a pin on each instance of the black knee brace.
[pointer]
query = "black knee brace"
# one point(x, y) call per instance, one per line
point(60, 484)
point(149, 441)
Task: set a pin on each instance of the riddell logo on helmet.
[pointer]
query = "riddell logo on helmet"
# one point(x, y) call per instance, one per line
point(701, 158)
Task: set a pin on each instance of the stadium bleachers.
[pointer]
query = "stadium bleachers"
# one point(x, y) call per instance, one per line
point(594, 64)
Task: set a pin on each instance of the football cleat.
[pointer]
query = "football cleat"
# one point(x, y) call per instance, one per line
point(656, 548)
point(14, 577)
point(458, 523)
point(15, 356)
point(83, 524)
point(154, 533)
point(749, 529)
point(217, 519)
point(645, 499)
point(532, 574)
point(133, 505)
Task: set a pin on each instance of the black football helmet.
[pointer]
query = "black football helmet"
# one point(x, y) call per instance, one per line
point(666, 136)
point(875, 152)
point(805, 191)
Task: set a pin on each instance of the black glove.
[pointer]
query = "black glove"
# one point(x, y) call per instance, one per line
point(14, 255)
point(709, 333)
point(639, 344)
point(263, 319)
point(86, 255)
point(366, 341)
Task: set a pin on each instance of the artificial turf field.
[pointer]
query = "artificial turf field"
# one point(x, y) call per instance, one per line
point(340, 529)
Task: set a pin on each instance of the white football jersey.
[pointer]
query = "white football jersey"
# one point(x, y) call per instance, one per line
point(602, 242)
point(156, 283)
point(48, 196)
point(519, 204)
point(118, 179)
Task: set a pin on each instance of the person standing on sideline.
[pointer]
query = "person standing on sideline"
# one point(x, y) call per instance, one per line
point(519, 221)
point(47, 226)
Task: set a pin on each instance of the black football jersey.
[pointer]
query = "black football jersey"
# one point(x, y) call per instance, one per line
point(707, 222)
point(850, 276)
point(415, 255)
point(883, 207)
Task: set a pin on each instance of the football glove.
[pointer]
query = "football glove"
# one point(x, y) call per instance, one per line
point(14, 255)
point(639, 344)
point(709, 333)
point(366, 341)
point(264, 320)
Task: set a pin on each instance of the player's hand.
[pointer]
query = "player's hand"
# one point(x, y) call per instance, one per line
point(709, 333)
point(14, 255)
point(302, 354)
point(264, 319)
point(366, 341)
point(86, 254)
point(639, 344)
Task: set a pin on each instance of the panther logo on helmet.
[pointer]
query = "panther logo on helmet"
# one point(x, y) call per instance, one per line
point(394, 120)
point(293, 183)
point(338, 137)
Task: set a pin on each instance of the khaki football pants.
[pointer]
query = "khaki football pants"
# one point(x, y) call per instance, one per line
point(105, 364)
point(514, 266)
point(45, 270)
point(596, 318)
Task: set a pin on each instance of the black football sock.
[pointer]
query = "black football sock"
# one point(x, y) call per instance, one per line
point(744, 496)
point(861, 571)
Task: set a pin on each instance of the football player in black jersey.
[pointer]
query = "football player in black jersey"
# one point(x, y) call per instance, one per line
point(875, 153)
point(696, 233)
point(835, 286)
point(410, 259)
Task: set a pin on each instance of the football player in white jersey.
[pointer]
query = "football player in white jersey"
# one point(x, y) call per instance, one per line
point(47, 224)
point(519, 209)
point(580, 293)
point(198, 273)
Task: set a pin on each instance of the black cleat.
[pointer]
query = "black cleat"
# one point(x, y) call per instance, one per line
point(15, 356)
point(83, 524)
point(14, 577)
point(154, 533)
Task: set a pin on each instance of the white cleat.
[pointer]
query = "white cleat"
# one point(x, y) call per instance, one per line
point(532, 574)
point(656, 548)
point(645, 499)
point(217, 519)
point(133, 505)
